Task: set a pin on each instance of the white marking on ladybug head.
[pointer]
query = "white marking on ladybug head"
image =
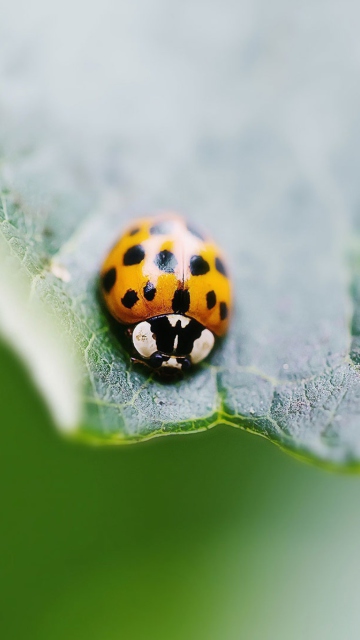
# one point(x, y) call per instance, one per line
point(143, 340)
point(202, 346)
point(172, 363)
point(147, 338)
point(174, 319)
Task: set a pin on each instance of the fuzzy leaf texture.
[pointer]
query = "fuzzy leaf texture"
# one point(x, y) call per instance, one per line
point(289, 368)
point(245, 119)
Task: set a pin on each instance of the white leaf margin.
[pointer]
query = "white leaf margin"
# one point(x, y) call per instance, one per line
point(33, 334)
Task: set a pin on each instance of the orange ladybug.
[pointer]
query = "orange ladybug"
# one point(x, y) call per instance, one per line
point(168, 283)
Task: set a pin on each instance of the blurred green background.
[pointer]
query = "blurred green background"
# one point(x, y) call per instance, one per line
point(211, 536)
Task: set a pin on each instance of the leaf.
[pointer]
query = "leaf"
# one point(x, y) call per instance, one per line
point(289, 369)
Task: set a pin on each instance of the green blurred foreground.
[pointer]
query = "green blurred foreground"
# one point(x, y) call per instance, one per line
point(215, 536)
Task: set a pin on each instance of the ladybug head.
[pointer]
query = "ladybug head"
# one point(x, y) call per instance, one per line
point(172, 341)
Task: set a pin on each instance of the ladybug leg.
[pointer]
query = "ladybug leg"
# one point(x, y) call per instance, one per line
point(138, 361)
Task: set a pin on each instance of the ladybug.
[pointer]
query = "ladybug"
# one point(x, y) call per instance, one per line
point(168, 283)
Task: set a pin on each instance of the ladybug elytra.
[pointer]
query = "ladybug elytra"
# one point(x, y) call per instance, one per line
point(169, 284)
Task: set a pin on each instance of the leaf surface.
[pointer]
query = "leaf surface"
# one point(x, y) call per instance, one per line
point(246, 121)
point(288, 369)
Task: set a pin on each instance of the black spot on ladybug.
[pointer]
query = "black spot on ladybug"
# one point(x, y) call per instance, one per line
point(223, 310)
point(130, 298)
point(165, 335)
point(187, 336)
point(181, 301)
point(162, 228)
point(134, 255)
point(211, 299)
point(198, 266)
point(109, 279)
point(149, 291)
point(133, 232)
point(195, 231)
point(220, 267)
point(166, 261)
